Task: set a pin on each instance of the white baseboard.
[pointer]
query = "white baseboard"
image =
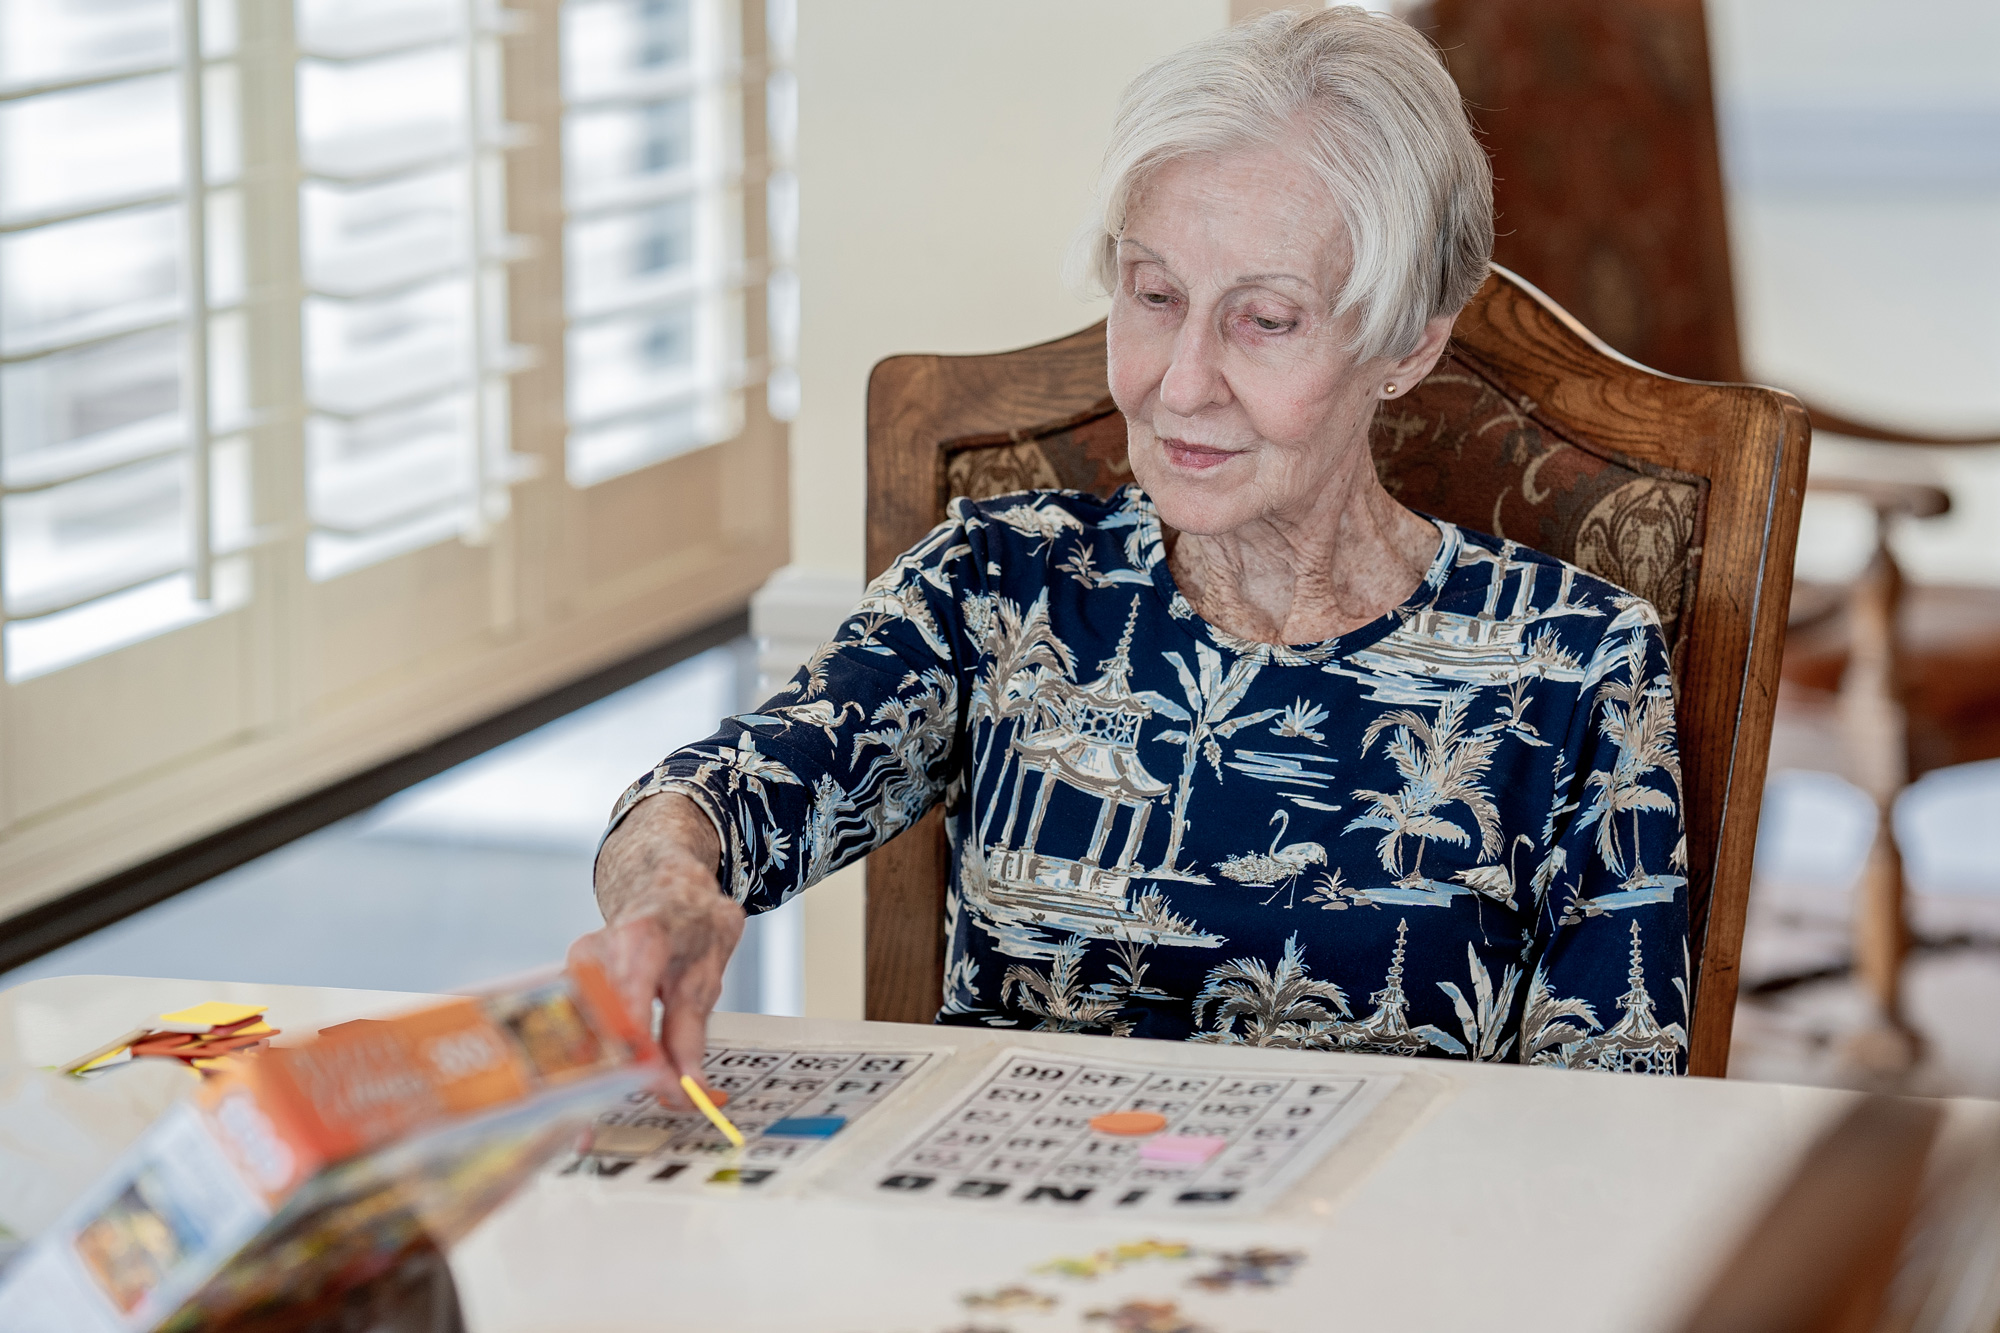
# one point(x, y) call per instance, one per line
point(819, 964)
point(795, 612)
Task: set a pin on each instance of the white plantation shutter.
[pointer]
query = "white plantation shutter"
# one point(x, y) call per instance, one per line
point(120, 352)
point(652, 180)
point(310, 449)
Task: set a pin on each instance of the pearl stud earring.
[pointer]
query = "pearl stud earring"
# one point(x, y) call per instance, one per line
point(1389, 389)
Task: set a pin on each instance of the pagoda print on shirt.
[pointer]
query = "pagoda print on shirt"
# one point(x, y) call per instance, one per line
point(1468, 811)
point(1034, 885)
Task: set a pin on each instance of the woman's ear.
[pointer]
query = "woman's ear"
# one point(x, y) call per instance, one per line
point(1406, 372)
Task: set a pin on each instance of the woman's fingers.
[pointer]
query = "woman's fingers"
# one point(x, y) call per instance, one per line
point(681, 963)
point(684, 1033)
point(698, 985)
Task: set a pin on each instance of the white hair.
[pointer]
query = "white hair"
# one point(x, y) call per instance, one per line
point(1387, 135)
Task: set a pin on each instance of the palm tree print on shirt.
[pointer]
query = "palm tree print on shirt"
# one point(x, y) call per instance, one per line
point(1212, 692)
point(1281, 1006)
point(1637, 718)
point(1440, 767)
point(1551, 1021)
point(1057, 998)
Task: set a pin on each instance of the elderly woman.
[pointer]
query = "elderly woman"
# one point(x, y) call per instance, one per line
point(1248, 752)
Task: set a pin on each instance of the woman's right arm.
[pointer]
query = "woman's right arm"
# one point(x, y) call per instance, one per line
point(861, 743)
point(668, 928)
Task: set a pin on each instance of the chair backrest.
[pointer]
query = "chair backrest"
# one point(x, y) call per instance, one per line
point(1607, 180)
point(1530, 428)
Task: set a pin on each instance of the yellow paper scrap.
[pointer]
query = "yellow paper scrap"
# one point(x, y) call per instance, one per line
point(210, 1014)
point(109, 1053)
point(119, 1056)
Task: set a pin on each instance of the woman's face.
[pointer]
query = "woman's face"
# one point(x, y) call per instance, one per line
point(1242, 400)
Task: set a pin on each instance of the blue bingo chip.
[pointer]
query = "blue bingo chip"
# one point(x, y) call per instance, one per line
point(807, 1127)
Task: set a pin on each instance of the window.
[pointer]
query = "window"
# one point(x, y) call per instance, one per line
point(365, 365)
point(652, 181)
point(121, 373)
point(403, 244)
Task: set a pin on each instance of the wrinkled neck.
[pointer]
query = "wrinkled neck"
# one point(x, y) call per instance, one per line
point(1344, 560)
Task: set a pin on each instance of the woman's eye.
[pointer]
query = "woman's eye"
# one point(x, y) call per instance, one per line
point(1155, 298)
point(1269, 325)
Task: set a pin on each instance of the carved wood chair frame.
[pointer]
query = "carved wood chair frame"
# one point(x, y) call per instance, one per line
point(1530, 428)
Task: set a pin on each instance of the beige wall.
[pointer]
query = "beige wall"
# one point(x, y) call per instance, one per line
point(1876, 297)
point(946, 153)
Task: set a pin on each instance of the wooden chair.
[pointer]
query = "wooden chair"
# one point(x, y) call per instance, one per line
point(1530, 428)
point(1608, 186)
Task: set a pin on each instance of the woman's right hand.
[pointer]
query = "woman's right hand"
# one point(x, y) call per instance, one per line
point(669, 930)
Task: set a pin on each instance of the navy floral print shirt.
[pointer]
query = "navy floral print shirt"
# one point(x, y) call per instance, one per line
point(1455, 831)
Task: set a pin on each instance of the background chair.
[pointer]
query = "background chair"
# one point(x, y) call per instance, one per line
point(1600, 119)
point(1529, 428)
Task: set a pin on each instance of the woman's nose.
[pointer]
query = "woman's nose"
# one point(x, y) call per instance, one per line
point(1194, 377)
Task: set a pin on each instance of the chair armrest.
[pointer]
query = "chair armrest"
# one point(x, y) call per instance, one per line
point(1835, 424)
point(1914, 499)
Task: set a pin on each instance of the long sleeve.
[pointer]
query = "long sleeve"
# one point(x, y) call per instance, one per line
point(1609, 989)
point(854, 750)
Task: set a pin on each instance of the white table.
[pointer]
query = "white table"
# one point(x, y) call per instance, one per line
point(1488, 1196)
point(57, 1135)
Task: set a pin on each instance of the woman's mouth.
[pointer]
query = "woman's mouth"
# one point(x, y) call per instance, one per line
point(1195, 457)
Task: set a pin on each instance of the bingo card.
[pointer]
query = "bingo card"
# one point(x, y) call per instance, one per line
point(1094, 1135)
point(789, 1104)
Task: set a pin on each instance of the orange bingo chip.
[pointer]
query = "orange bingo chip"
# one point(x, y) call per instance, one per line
point(717, 1096)
point(1129, 1123)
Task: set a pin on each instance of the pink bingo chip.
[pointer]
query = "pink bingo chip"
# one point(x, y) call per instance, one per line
point(1186, 1149)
